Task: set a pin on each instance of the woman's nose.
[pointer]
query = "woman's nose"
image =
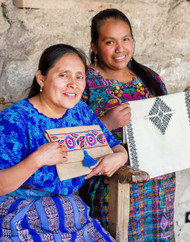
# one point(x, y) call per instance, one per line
point(119, 47)
point(72, 83)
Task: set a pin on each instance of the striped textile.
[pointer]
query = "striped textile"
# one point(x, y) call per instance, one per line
point(51, 218)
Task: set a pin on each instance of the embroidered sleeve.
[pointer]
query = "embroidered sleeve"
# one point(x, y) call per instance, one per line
point(13, 139)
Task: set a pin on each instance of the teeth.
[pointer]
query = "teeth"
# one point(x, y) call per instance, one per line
point(70, 94)
point(120, 57)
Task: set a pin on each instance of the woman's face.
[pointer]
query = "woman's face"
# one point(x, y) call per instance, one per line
point(115, 45)
point(64, 84)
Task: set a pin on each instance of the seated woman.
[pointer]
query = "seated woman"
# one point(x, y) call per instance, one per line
point(34, 204)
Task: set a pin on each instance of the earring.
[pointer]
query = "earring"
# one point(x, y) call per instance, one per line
point(95, 60)
point(41, 89)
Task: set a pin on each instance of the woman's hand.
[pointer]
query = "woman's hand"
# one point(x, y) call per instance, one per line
point(50, 154)
point(188, 89)
point(117, 117)
point(108, 164)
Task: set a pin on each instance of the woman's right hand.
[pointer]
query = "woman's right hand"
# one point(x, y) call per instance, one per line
point(50, 154)
point(117, 117)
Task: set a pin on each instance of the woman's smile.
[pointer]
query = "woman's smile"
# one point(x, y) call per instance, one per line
point(120, 58)
point(69, 94)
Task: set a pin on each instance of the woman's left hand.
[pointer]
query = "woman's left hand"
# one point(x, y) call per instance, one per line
point(108, 164)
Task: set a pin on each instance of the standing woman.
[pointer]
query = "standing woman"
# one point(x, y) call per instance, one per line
point(113, 78)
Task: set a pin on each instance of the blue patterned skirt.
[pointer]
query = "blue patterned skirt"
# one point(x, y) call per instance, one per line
point(50, 218)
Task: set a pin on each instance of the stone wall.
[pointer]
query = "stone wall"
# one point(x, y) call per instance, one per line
point(161, 30)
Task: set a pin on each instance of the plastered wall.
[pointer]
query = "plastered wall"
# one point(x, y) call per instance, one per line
point(161, 30)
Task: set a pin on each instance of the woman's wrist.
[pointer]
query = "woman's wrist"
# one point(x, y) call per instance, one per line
point(123, 154)
point(33, 161)
point(106, 122)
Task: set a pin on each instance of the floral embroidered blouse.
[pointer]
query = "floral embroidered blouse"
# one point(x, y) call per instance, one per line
point(101, 94)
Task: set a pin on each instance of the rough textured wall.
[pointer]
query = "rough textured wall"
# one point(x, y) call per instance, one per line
point(161, 30)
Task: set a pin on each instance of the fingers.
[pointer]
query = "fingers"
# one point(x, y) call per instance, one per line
point(123, 114)
point(101, 169)
point(94, 172)
point(52, 154)
point(96, 169)
point(63, 150)
point(99, 172)
point(187, 88)
point(94, 166)
point(124, 109)
point(124, 105)
point(59, 147)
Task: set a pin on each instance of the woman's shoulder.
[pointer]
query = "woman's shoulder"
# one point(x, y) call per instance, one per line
point(154, 74)
point(95, 80)
point(81, 105)
point(13, 121)
point(84, 110)
point(17, 107)
point(18, 115)
point(157, 78)
point(92, 73)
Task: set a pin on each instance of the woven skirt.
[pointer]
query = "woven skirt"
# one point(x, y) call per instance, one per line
point(51, 218)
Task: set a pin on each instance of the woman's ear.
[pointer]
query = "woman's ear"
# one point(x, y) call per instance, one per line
point(93, 47)
point(40, 78)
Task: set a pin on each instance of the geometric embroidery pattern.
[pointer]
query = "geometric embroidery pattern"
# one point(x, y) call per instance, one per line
point(80, 140)
point(132, 146)
point(187, 102)
point(160, 115)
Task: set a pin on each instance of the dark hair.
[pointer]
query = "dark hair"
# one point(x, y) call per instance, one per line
point(141, 71)
point(49, 58)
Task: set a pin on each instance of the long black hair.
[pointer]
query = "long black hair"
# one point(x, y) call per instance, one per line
point(49, 58)
point(141, 71)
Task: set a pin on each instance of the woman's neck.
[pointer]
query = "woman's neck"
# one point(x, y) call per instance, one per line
point(46, 108)
point(124, 75)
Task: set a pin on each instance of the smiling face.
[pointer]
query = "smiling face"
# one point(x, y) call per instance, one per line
point(114, 46)
point(64, 83)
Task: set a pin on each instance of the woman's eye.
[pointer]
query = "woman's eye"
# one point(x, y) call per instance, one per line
point(126, 39)
point(64, 75)
point(109, 42)
point(80, 77)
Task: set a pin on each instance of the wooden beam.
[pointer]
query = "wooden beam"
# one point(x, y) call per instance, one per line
point(64, 4)
point(119, 207)
point(119, 199)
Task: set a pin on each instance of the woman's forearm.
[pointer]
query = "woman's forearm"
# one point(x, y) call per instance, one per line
point(13, 177)
point(123, 152)
point(106, 122)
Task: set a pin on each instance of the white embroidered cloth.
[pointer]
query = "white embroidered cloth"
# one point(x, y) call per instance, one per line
point(158, 135)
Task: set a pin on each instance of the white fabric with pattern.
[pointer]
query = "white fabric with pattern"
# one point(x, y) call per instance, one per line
point(158, 135)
